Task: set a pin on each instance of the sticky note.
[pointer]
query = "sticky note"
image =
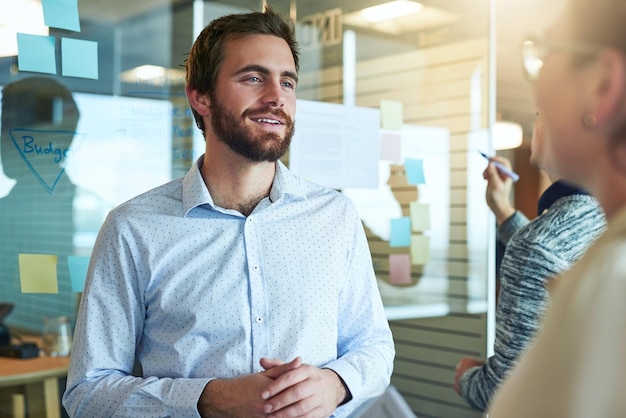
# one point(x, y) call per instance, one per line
point(399, 269)
point(78, 271)
point(414, 171)
point(400, 232)
point(38, 273)
point(420, 216)
point(390, 145)
point(420, 249)
point(391, 115)
point(36, 53)
point(79, 58)
point(62, 14)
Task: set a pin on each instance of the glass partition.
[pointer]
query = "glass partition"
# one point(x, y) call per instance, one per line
point(123, 126)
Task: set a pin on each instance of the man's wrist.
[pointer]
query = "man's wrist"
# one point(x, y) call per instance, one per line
point(206, 403)
point(343, 393)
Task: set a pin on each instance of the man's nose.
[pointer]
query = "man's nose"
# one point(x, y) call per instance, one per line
point(274, 93)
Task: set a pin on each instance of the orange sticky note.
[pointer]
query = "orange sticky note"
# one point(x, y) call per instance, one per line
point(38, 273)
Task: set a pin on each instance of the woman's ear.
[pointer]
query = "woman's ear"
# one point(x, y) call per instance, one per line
point(609, 87)
point(200, 102)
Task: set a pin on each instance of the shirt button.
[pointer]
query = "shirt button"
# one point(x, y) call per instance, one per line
point(259, 319)
point(255, 268)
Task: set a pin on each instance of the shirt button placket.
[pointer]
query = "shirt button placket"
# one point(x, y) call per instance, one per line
point(258, 303)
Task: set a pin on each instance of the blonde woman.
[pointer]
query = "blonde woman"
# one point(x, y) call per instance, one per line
point(575, 366)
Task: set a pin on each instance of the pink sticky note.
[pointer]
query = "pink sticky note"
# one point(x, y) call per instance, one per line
point(390, 145)
point(399, 269)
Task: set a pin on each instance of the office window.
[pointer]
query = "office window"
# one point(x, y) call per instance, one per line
point(124, 126)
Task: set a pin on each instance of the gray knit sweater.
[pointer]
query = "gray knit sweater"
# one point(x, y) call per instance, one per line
point(535, 252)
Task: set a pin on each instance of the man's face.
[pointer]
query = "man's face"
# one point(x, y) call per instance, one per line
point(253, 105)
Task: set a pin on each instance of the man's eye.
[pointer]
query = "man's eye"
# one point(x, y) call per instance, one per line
point(289, 84)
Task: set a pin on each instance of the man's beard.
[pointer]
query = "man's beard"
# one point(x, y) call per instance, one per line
point(231, 130)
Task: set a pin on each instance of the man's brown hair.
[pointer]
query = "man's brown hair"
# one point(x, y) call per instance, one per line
point(207, 52)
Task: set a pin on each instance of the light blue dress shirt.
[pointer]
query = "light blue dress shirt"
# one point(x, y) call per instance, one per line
point(197, 292)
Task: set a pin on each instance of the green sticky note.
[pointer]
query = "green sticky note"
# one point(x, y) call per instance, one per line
point(38, 273)
point(391, 115)
point(420, 249)
point(420, 216)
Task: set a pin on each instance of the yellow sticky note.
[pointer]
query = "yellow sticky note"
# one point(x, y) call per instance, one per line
point(420, 249)
point(391, 115)
point(420, 216)
point(38, 273)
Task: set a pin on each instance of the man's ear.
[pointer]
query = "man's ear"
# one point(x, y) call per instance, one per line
point(609, 86)
point(200, 102)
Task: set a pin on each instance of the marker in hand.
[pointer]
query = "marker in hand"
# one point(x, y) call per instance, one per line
point(502, 168)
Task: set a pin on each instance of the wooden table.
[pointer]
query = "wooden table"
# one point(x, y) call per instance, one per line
point(33, 385)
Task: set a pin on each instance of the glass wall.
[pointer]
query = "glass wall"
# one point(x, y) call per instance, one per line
point(392, 112)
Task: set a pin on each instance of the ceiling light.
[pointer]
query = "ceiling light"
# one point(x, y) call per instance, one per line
point(149, 72)
point(507, 135)
point(24, 16)
point(391, 10)
point(154, 75)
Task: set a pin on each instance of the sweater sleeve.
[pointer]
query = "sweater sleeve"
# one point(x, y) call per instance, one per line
point(543, 249)
point(521, 303)
point(510, 226)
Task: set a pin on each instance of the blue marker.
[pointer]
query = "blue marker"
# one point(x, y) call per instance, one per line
point(502, 168)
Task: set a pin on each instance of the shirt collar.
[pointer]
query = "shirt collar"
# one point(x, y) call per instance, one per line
point(195, 192)
point(557, 190)
point(286, 183)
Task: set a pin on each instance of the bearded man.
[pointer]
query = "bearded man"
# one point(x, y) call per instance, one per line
point(240, 289)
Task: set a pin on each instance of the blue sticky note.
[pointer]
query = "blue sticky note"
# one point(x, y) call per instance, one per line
point(36, 53)
point(400, 232)
point(414, 171)
point(79, 58)
point(78, 271)
point(62, 14)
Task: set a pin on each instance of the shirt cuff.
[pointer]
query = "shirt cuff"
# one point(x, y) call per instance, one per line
point(185, 396)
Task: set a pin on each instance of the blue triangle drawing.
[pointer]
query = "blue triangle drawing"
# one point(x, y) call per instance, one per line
point(45, 152)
